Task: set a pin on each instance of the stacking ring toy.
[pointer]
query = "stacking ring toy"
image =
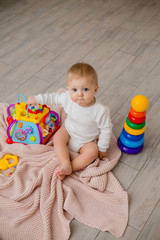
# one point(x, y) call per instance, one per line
point(133, 125)
point(133, 131)
point(131, 144)
point(137, 114)
point(136, 120)
point(132, 137)
point(127, 149)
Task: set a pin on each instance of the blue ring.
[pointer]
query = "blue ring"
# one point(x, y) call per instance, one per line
point(129, 143)
point(132, 137)
point(127, 149)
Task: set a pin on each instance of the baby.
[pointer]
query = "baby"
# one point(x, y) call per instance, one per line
point(87, 129)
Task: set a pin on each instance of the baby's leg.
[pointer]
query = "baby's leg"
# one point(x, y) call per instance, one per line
point(88, 153)
point(61, 139)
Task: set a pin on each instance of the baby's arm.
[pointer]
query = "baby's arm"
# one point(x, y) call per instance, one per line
point(105, 126)
point(53, 98)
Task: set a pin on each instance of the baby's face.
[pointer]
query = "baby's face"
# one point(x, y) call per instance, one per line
point(82, 91)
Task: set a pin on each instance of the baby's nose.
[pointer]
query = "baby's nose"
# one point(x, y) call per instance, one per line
point(80, 93)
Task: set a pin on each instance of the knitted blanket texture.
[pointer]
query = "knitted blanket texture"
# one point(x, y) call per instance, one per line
point(36, 205)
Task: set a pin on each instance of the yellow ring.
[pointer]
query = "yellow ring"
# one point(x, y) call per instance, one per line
point(132, 131)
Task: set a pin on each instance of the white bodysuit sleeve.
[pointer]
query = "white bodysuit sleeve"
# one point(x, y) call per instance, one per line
point(105, 126)
point(57, 99)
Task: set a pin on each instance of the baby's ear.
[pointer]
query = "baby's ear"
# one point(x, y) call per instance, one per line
point(96, 89)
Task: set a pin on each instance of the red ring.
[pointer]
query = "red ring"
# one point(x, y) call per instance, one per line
point(136, 120)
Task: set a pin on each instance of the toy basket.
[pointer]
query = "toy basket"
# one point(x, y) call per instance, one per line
point(30, 125)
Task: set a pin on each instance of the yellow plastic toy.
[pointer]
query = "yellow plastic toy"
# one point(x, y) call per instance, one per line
point(140, 103)
point(4, 163)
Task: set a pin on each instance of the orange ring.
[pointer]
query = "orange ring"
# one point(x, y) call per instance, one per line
point(137, 114)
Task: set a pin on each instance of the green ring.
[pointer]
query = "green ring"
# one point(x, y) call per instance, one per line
point(134, 125)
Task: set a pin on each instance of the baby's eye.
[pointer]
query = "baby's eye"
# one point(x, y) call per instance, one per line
point(74, 89)
point(86, 89)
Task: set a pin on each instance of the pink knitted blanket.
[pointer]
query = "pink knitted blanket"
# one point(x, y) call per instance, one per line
point(35, 204)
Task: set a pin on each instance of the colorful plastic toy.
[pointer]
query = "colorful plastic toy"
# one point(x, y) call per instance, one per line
point(132, 136)
point(31, 125)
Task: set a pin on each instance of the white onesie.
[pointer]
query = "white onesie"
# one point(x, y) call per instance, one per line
point(84, 124)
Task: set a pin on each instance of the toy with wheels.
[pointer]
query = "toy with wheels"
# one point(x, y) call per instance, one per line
point(31, 125)
point(132, 136)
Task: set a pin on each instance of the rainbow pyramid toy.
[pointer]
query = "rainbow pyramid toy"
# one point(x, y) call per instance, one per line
point(132, 136)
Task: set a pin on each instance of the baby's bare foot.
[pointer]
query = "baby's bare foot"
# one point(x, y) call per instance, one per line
point(66, 169)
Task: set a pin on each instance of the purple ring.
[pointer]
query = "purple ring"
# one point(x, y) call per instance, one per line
point(8, 111)
point(9, 128)
point(127, 149)
point(56, 114)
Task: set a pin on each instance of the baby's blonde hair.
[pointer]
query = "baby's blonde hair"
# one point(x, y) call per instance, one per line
point(82, 70)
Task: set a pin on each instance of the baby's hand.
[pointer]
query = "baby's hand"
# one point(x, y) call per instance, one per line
point(102, 154)
point(31, 101)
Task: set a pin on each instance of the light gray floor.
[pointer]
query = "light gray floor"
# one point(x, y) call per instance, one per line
point(41, 39)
